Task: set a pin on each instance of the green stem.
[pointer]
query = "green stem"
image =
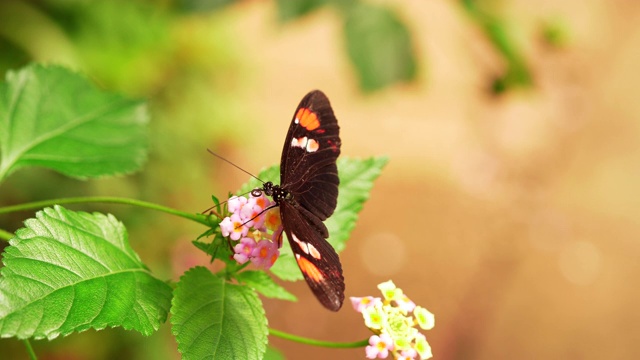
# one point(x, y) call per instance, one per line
point(329, 344)
point(202, 219)
point(32, 354)
point(5, 235)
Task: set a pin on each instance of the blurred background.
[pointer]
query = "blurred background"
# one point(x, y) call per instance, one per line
point(508, 208)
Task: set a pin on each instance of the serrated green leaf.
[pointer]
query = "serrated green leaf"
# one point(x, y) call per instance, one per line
point(212, 319)
point(264, 284)
point(356, 180)
point(55, 118)
point(379, 46)
point(273, 354)
point(70, 271)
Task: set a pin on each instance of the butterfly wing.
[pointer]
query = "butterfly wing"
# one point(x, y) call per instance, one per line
point(308, 166)
point(309, 173)
point(317, 260)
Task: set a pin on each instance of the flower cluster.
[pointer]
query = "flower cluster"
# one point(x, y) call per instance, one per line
point(254, 230)
point(393, 320)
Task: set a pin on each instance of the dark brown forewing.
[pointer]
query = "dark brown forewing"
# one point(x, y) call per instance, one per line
point(323, 273)
point(312, 177)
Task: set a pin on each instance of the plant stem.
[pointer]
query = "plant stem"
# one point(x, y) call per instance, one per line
point(329, 344)
point(32, 354)
point(5, 235)
point(202, 219)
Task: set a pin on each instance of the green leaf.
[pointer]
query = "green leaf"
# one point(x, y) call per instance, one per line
point(286, 267)
point(218, 248)
point(379, 46)
point(356, 180)
point(292, 9)
point(213, 319)
point(273, 354)
point(52, 117)
point(70, 271)
point(264, 284)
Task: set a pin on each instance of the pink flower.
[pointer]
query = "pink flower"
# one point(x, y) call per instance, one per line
point(236, 203)
point(276, 238)
point(226, 226)
point(249, 215)
point(405, 304)
point(252, 211)
point(361, 303)
point(233, 228)
point(379, 346)
point(260, 202)
point(409, 354)
point(252, 216)
point(244, 249)
point(265, 254)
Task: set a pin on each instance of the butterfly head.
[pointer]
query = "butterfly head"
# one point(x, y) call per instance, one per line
point(277, 193)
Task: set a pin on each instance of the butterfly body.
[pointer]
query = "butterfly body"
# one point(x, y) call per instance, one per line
point(308, 195)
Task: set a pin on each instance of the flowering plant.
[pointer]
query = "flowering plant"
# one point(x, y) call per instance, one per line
point(68, 271)
point(393, 320)
point(254, 223)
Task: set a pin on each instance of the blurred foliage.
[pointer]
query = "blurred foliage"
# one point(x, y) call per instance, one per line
point(120, 41)
point(11, 55)
point(517, 72)
point(555, 32)
point(377, 40)
point(292, 9)
point(107, 40)
point(379, 45)
point(195, 6)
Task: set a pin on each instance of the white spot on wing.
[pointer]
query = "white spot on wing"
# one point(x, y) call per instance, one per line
point(307, 248)
point(312, 145)
point(309, 145)
point(301, 244)
point(314, 252)
point(299, 142)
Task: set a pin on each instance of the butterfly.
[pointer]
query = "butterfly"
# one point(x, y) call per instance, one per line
point(308, 195)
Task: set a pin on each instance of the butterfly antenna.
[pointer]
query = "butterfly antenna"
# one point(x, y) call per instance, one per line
point(222, 203)
point(260, 213)
point(236, 166)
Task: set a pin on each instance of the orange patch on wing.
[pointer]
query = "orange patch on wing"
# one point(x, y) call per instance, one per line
point(309, 269)
point(308, 119)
